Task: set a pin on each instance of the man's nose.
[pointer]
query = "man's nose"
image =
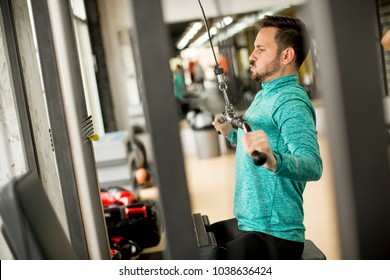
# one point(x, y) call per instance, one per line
point(251, 58)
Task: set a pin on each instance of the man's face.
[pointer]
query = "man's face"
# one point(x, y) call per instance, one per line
point(265, 59)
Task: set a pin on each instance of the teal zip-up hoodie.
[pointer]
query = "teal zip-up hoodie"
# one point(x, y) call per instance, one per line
point(272, 201)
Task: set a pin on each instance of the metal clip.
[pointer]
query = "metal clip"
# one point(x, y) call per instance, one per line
point(88, 131)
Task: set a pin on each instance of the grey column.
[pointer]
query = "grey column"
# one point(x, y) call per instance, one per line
point(346, 33)
point(155, 82)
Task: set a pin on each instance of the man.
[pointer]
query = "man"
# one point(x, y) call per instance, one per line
point(179, 85)
point(385, 40)
point(268, 202)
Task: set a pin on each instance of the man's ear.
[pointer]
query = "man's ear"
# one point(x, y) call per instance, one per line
point(288, 56)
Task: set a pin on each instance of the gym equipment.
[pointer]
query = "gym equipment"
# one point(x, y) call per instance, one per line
point(124, 197)
point(208, 246)
point(30, 225)
point(312, 252)
point(132, 225)
point(206, 241)
point(117, 195)
point(107, 198)
point(229, 115)
point(143, 177)
point(206, 140)
point(114, 160)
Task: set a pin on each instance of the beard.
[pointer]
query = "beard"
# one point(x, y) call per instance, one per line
point(270, 69)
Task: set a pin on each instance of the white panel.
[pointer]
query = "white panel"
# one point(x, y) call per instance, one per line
point(12, 159)
point(38, 111)
point(88, 75)
point(115, 20)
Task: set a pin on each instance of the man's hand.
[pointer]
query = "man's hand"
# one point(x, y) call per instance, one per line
point(221, 125)
point(258, 141)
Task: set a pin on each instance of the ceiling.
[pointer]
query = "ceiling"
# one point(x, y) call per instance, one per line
point(188, 10)
point(180, 16)
point(176, 30)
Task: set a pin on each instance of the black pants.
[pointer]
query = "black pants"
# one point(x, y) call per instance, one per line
point(236, 244)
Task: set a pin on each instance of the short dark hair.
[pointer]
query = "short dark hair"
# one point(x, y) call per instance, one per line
point(292, 32)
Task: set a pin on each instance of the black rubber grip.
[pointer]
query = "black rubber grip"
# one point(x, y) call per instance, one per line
point(259, 158)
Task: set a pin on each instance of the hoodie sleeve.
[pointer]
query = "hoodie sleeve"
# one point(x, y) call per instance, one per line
point(295, 119)
point(232, 136)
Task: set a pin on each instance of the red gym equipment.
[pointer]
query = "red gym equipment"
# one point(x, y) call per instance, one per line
point(132, 225)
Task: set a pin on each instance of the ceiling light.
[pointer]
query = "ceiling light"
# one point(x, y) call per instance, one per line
point(227, 20)
point(189, 34)
point(201, 40)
